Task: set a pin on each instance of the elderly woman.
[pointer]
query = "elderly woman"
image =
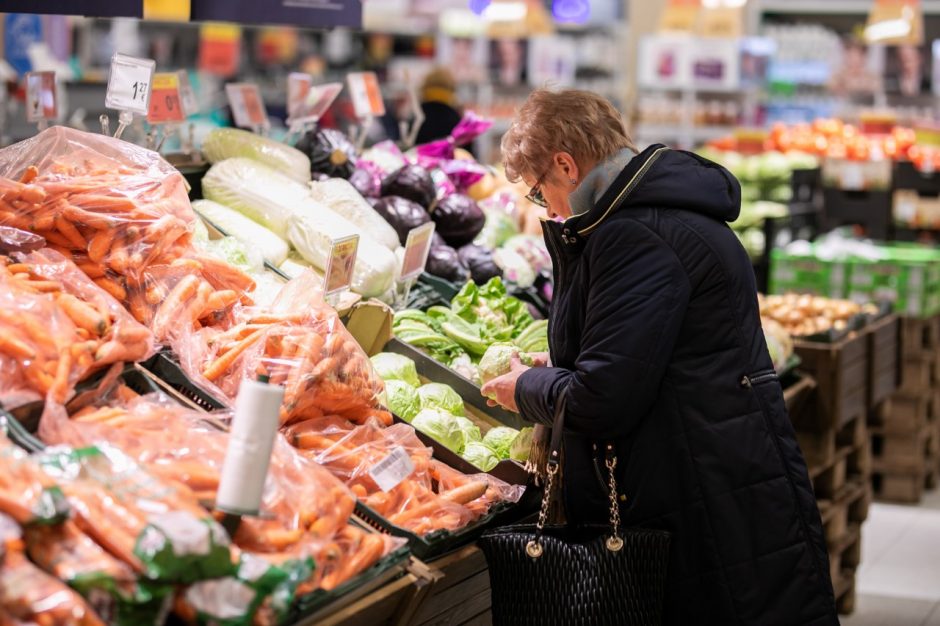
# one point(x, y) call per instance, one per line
point(656, 341)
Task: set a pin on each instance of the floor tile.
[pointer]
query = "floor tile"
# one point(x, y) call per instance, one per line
point(886, 525)
point(910, 566)
point(875, 610)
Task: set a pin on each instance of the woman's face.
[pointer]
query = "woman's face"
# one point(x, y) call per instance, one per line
point(554, 185)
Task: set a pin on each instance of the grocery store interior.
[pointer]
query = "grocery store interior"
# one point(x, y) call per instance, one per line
point(258, 258)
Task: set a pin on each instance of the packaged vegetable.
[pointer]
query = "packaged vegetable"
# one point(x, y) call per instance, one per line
point(385, 156)
point(27, 494)
point(480, 455)
point(402, 399)
point(479, 261)
point(330, 152)
point(444, 262)
point(440, 396)
point(342, 198)
point(226, 143)
point(411, 182)
point(464, 174)
point(402, 214)
point(367, 179)
point(272, 248)
point(441, 426)
point(500, 439)
point(467, 129)
point(392, 366)
point(16, 240)
point(459, 219)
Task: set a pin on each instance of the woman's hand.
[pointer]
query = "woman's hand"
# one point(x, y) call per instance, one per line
point(539, 359)
point(501, 390)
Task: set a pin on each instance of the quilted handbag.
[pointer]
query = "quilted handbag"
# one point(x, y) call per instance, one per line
point(588, 575)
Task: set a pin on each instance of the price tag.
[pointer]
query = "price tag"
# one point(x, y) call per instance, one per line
point(417, 247)
point(220, 48)
point(298, 86)
point(165, 105)
point(41, 96)
point(390, 471)
point(851, 177)
point(247, 105)
point(129, 84)
point(318, 100)
point(366, 95)
point(187, 94)
point(340, 265)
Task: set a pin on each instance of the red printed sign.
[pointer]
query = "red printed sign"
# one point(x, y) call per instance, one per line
point(417, 247)
point(165, 105)
point(247, 105)
point(366, 94)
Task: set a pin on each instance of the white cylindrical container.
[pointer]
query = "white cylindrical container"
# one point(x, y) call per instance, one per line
point(254, 427)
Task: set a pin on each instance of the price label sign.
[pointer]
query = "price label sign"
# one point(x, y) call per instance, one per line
point(187, 94)
point(165, 104)
point(41, 97)
point(366, 94)
point(390, 471)
point(340, 265)
point(417, 247)
point(298, 86)
point(247, 105)
point(129, 84)
point(319, 99)
point(852, 177)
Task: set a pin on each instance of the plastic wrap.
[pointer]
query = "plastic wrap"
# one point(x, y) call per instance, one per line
point(30, 596)
point(299, 343)
point(156, 527)
point(16, 240)
point(272, 248)
point(459, 219)
point(412, 182)
point(330, 151)
point(340, 196)
point(463, 174)
point(27, 493)
point(385, 156)
point(468, 129)
point(227, 143)
point(367, 179)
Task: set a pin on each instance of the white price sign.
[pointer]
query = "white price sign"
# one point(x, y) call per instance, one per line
point(247, 105)
point(187, 94)
point(298, 86)
point(366, 95)
point(390, 471)
point(129, 84)
point(417, 247)
point(41, 96)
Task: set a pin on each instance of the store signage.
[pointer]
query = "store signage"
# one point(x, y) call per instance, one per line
point(417, 247)
point(247, 105)
point(41, 97)
point(679, 16)
point(309, 13)
point(165, 103)
point(366, 95)
point(726, 22)
point(316, 102)
point(220, 47)
point(91, 8)
point(340, 265)
point(20, 31)
point(166, 10)
point(187, 94)
point(129, 84)
point(298, 86)
point(895, 22)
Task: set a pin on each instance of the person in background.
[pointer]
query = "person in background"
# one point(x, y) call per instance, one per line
point(439, 104)
point(854, 79)
point(657, 348)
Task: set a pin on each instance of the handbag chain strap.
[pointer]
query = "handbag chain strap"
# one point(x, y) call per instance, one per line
point(614, 542)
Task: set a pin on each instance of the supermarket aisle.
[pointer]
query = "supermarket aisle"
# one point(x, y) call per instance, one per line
point(899, 579)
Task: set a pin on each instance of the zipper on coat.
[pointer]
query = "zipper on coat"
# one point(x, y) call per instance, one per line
point(556, 295)
point(758, 378)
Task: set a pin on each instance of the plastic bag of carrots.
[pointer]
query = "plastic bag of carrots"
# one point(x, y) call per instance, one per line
point(27, 494)
point(299, 343)
point(57, 327)
point(122, 213)
point(157, 528)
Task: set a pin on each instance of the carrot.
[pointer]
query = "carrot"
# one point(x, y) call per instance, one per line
point(465, 493)
point(113, 287)
point(114, 351)
point(71, 233)
point(92, 270)
point(370, 550)
point(131, 333)
point(195, 308)
point(44, 222)
point(275, 318)
point(155, 294)
point(45, 286)
point(99, 202)
point(30, 174)
point(220, 300)
point(100, 244)
point(54, 236)
point(60, 383)
point(83, 315)
point(15, 347)
point(223, 363)
point(222, 275)
point(119, 257)
point(11, 504)
point(165, 315)
point(81, 216)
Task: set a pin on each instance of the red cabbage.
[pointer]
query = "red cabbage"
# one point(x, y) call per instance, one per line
point(412, 182)
point(402, 214)
point(479, 261)
point(459, 219)
point(444, 262)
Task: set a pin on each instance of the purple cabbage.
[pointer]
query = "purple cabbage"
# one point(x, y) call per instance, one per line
point(444, 262)
point(411, 182)
point(479, 261)
point(459, 219)
point(402, 214)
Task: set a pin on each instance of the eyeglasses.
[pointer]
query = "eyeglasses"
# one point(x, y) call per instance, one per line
point(535, 194)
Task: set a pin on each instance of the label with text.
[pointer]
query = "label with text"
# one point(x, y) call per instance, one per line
point(247, 105)
point(165, 104)
point(417, 247)
point(366, 94)
point(340, 265)
point(390, 471)
point(129, 84)
point(41, 96)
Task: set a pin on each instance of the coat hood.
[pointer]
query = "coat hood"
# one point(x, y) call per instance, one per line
point(660, 177)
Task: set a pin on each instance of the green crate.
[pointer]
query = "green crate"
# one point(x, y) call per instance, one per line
point(807, 274)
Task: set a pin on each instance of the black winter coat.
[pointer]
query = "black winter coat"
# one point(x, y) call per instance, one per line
point(655, 333)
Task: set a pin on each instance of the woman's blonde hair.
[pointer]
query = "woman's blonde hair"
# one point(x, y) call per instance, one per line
point(581, 123)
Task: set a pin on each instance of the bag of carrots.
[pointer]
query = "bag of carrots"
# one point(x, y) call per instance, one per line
point(121, 213)
point(157, 528)
point(299, 343)
point(27, 493)
point(108, 584)
point(30, 596)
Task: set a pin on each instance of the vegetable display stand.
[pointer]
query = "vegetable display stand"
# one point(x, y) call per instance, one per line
point(174, 381)
point(844, 559)
point(798, 395)
point(883, 347)
point(462, 595)
point(869, 209)
point(841, 372)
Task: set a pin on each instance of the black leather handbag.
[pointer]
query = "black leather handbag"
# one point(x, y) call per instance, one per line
point(588, 575)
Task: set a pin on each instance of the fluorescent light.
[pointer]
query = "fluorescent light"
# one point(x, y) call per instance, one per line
point(889, 29)
point(506, 11)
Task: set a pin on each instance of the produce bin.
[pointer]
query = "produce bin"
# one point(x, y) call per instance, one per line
point(173, 380)
point(841, 371)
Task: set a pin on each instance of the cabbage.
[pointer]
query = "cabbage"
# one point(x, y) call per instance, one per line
point(479, 261)
point(499, 227)
point(272, 248)
point(500, 439)
point(412, 182)
point(496, 361)
point(235, 253)
point(343, 198)
point(295, 265)
point(471, 432)
point(459, 219)
point(481, 456)
point(200, 232)
point(330, 152)
point(532, 249)
point(402, 214)
point(401, 399)
point(268, 287)
point(391, 366)
point(226, 143)
point(515, 268)
point(444, 262)
point(440, 396)
point(442, 427)
point(521, 445)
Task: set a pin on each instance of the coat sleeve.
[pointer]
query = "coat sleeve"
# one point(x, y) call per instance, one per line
point(637, 297)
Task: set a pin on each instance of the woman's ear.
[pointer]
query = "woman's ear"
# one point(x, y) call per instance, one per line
point(568, 166)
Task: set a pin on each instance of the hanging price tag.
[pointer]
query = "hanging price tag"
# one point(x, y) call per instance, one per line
point(417, 247)
point(319, 99)
point(366, 95)
point(247, 105)
point(165, 105)
point(129, 84)
point(390, 471)
point(340, 265)
point(298, 86)
point(187, 95)
point(41, 97)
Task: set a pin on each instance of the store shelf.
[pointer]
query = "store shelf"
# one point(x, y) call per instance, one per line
point(697, 134)
point(832, 7)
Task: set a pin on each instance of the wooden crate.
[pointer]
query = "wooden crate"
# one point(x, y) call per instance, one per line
point(799, 395)
point(919, 335)
point(819, 448)
point(461, 595)
point(841, 373)
point(883, 348)
point(837, 513)
point(905, 411)
point(829, 481)
point(919, 373)
point(902, 452)
point(898, 487)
